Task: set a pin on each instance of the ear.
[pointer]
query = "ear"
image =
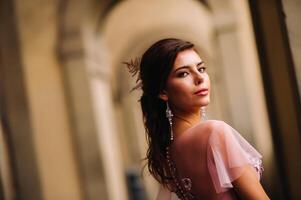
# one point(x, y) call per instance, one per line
point(163, 95)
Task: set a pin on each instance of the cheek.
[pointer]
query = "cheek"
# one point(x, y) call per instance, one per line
point(179, 90)
point(207, 80)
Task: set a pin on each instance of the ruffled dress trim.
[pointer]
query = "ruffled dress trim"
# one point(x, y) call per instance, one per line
point(228, 154)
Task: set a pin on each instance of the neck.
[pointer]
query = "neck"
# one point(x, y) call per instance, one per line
point(184, 120)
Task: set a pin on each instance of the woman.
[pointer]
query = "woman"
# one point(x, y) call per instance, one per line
point(191, 157)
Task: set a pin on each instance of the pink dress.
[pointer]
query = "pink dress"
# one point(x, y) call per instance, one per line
point(226, 152)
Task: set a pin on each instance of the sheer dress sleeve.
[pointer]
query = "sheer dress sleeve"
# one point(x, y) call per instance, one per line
point(228, 153)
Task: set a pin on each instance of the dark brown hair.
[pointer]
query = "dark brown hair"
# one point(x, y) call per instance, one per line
point(155, 66)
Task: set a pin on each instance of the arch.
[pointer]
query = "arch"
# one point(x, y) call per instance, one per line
point(194, 20)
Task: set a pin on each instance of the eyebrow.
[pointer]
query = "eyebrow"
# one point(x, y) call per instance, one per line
point(187, 66)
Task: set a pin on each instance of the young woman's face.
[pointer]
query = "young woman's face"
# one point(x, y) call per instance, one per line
point(188, 84)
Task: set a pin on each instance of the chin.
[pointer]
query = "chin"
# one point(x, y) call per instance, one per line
point(205, 103)
point(202, 105)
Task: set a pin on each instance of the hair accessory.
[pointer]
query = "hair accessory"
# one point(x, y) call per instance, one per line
point(169, 116)
point(134, 67)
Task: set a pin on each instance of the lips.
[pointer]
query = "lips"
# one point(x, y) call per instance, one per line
point(202, 92)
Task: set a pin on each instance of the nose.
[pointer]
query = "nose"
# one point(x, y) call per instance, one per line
point(199, 78)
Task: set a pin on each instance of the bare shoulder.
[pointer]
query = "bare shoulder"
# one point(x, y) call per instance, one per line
point(207, 129)
point(213, 125)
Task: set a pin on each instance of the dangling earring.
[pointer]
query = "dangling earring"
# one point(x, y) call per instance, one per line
point(203, 113)
point(169, 116)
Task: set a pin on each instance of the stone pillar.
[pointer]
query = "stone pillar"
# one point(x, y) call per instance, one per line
point(73, 57)
point(15, 111)
point(99, 72)
point(87, 79)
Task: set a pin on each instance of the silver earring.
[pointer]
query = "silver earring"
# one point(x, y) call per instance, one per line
point(169, 116)
point(203, 113)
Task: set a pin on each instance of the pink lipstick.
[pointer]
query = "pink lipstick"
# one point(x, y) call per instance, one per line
point(202, 92)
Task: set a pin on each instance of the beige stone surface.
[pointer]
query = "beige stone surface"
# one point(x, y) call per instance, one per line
point(52, 137)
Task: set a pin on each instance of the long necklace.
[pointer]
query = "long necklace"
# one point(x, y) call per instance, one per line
point(183, 186)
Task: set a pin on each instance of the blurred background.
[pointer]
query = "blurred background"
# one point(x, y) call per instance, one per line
point(71, 129)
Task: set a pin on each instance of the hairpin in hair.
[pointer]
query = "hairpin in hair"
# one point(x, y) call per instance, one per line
point(134, 66)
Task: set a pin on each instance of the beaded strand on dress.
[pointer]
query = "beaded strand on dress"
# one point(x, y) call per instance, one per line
point(183, 187)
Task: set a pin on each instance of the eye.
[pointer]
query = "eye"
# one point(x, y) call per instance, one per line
point(202, 69)
point(182, 74)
